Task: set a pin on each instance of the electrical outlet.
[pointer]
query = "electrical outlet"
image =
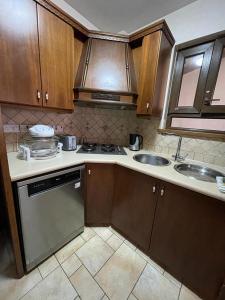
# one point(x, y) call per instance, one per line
point(11, 128)
point(59, 128)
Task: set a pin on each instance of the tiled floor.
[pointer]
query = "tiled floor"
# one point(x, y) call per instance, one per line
point(98, 265)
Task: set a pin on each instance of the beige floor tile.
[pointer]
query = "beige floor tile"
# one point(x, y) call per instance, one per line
point(105, 298)
point(114, 242)
point(48, 266)
point(88, 233)
point(56, 286)
point(172, 279)
point(12, 288)
point(150, 261)
point(117, 233)
point(85, 285)
point(69, 249)
point(152, 285)
point(94, 254)
point(71, 264)
point(186, 294)
point(131, 297)
point(130, 245)
point(103, 232)
point(119, 275)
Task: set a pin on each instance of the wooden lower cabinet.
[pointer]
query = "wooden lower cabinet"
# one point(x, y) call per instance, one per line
point(188, 239)
point(181, 230)
point(134, 205)
point(99, 194)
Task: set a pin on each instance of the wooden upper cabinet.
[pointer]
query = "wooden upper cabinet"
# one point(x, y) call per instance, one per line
point(20, 81)
point(189, 80)
point(56, 40)
point(151, 61)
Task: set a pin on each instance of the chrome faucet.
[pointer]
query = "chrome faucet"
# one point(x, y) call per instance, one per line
point(177, 156)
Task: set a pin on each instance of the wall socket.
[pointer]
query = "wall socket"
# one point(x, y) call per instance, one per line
point(58, 128)
point(11, 128)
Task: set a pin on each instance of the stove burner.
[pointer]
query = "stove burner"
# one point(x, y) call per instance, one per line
point(88, 147)
point(108, 147)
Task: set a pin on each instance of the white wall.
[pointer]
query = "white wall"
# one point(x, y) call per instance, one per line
point(75, 14)
point(197, 19)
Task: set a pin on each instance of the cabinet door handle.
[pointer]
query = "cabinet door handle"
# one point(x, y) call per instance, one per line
point(162, 192)
point(46, 96)
point(38, 95)
point(154, 188)
point(89, 172)
point(147, 106)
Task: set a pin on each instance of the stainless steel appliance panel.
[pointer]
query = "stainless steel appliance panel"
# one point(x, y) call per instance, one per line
point(52, 217)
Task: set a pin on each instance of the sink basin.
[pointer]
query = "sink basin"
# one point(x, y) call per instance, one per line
point(198, 172)
point(150, 159)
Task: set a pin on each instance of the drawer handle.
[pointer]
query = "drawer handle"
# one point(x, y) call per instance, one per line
point(38, 95)
point(162, 192)
point(154, 188)
point(89, 172)
point(46, 96)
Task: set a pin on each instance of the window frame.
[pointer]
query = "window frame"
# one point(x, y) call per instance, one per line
point(198, 110)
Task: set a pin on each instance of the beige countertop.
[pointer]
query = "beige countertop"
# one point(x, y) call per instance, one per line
point(20, 169)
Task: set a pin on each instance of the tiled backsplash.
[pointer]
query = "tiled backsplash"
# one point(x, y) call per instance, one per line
point(113, 126)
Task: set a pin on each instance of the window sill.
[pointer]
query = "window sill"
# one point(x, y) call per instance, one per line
point(193, 134)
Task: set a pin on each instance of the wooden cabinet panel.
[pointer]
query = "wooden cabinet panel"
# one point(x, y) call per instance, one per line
point(107, 66)
point(187, 239)
point(151, 60)
point(56, 40)
point(19, 59)
point(99, 194)
point(134, 205)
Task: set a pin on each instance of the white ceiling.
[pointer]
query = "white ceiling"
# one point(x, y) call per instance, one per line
point(125, 15)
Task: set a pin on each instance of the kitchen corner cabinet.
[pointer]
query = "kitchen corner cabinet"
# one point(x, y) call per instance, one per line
point(134, 205)
point(151, 62)
point(188, 239)
point(36, 56)
point(99, 194)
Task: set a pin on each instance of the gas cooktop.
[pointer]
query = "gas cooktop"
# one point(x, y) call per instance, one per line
point(89, 148)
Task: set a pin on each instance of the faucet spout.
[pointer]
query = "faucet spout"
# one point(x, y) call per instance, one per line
point(177, 156)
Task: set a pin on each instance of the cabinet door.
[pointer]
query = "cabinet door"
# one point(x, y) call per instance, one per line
point(148, 72)
point(134, 205)
point(188, 239)
point(99, 194)
point(189, 80)
point(20, 81)
point(57, 60)
point(214, 101)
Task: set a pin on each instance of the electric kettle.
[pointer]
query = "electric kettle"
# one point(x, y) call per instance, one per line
point(136, 142)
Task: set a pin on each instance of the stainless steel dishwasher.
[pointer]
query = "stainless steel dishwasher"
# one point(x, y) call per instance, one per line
point(51, 211)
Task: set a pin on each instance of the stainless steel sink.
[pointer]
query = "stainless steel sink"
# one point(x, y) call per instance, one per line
point(198, 172)
point(150, 159)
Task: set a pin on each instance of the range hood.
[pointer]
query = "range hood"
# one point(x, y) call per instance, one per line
point(106, 75)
